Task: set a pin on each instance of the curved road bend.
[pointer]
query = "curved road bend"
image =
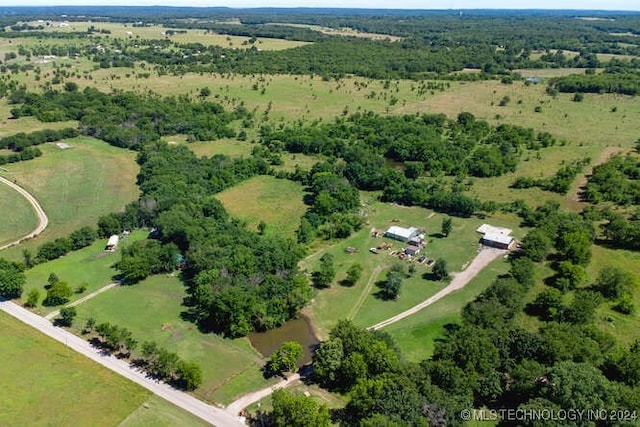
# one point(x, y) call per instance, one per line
point(43, 221)
point(209, 413)
point(484, 257)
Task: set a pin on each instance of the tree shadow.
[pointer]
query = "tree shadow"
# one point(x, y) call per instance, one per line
point(437, 235)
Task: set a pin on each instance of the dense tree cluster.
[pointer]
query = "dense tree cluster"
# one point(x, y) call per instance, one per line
point(626, 83)
point(239, 280)
point(12, 279)
point(128, 120)
point(617, 180)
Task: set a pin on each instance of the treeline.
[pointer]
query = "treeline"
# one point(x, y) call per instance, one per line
point(19, 141)
point(158, 362)
point(127, 120)
point(627, 83)
point(25, 154)
point(559, 183)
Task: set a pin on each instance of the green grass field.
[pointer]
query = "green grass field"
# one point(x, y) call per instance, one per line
point(277, 202)
point(157, 412)
point(75, 186)
point(92, 266)
point(46, 384)
point(21, 221)
point(152, 309)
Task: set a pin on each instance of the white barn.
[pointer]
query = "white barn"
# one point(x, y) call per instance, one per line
point(400, 233)
point(112, 243)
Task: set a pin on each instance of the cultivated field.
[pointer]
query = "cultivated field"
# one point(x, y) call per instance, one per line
point(75, 186)
point(277, 202)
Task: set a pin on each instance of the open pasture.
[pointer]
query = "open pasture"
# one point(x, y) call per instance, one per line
point(158, 32)
point(20, 219)
point(277, 202)
point(75, 186)
point(153, 310)
point(58, 386)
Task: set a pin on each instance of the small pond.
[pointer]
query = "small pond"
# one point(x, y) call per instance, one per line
point(298, 330)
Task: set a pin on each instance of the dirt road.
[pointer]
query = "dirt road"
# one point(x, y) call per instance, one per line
point(214, 415)
point(484, 257)
point(43, 221)
point(365, 292)
point(246, 400)
point(83, 299)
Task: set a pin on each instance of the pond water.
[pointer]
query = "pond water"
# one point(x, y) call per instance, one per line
point(298, 330)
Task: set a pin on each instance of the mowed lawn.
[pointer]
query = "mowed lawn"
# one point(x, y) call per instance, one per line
point(277, 202)
point(46, 384)
point(152, 310)
point(21, 218)
point(75, 186)
point(360, 302)
point(92, 266)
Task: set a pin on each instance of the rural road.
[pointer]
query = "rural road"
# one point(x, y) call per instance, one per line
point(83, 299)
point(246, 400)
point(43, 221)
point(214, 415)
point(484, 257)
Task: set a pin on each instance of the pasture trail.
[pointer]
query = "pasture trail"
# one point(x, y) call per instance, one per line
point(365, 292)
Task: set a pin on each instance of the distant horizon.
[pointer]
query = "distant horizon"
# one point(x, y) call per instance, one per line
point(569, 5)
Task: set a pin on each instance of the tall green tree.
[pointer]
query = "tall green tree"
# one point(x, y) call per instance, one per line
point(447, 226)
point(298, 411)
point(326, 272)
point(440, 271)
point(285, 358)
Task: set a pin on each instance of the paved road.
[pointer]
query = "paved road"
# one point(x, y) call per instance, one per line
point(209, 413)
point(43, 221)
point(246, 400)
point(484, 257)
point(83, 299)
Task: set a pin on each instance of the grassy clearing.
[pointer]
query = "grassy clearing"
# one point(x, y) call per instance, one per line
point(58, 386)
point(416, 335)
point(277, 202)
point(345, 31)
point(332, 400)
point(91, 266)
point(157, 412)
point(75, 186)
point(23, 218)
point(152, 310)
point(339, 301)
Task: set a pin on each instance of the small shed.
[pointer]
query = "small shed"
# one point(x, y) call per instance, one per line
point(498, 240)
point(400, 233)
point(112, 243)
point(412, 250)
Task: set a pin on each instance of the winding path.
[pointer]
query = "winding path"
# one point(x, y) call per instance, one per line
point(43, 221)
point(212, 414)
point(246, 400)
point(484, 257)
